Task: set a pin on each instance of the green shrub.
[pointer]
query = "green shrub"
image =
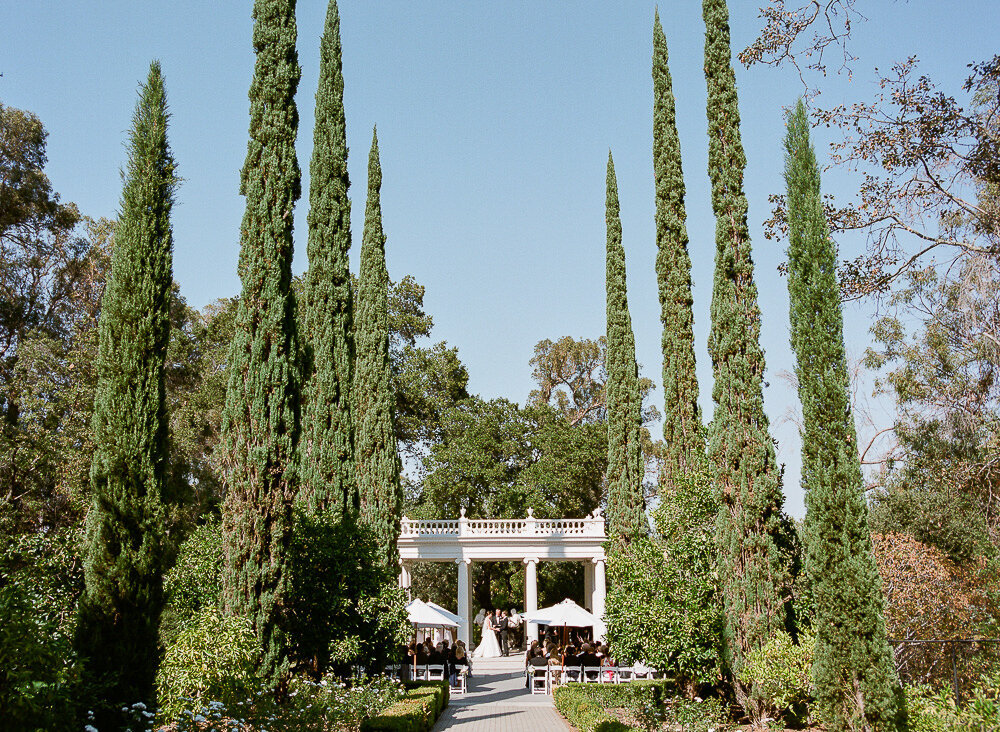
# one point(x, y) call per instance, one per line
point(194, 582)
point(781, 672)
point(213, 659)
point(934, 710)
point(648, 705)
point(417, 711)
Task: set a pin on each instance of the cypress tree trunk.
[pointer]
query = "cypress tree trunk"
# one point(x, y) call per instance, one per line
point(123, 557)
point(853, 671)
point(752, 574)
point(682, 429)
point(376, 456)
point(260, 422)
point(626, 509)
point(327, 447)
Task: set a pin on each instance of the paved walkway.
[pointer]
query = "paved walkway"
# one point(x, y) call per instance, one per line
point(498, 702)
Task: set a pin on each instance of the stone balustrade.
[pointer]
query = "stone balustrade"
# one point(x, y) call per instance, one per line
point(592, 527)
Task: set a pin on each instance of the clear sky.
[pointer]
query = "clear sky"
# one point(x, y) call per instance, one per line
point(495, 120)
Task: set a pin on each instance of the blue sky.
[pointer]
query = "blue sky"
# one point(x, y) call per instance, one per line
point(494, 121)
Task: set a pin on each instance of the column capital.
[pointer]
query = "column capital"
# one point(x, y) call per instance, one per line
point(463, 559)
point(598, 560)
point(530, 560)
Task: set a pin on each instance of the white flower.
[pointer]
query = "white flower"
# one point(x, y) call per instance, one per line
point(90, 728)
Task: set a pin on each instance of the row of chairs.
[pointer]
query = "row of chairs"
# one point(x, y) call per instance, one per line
point(429, 672)
point(542, 678)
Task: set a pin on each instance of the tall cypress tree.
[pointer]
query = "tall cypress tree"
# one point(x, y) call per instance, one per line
point(853, 671)
point(626, 517)
point(260, 422)
point(376, 457)
point(751, 570)
point(327, 446)
point(123, 560)
point(682, 429)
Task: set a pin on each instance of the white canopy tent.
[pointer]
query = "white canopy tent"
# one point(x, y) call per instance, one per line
point(566, 613)
point(423, 615)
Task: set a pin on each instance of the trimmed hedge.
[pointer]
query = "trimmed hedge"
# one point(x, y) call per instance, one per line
point(417, 711)
point(584, 705)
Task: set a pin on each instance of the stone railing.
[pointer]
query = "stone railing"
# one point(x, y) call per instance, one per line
point(592, 526)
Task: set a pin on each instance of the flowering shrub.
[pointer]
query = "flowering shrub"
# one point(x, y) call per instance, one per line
point(309, 706)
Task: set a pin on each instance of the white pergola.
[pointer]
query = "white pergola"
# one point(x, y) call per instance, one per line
point(527, 540)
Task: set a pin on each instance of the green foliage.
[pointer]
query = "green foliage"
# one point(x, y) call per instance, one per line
point(124, 552)
point(35, 663)
point(645, 705)
point(344, 606)
point(417, 711)
point(376, 456)
point(326, 308)
point(661, 605)
point(260, 422)
point(194, 582)
point(942, 519)
point(853, 658)
point(780, 672)
point(935, 710)
point(41, 579)
point(683, 435)
point(626, 517)
point(215, 657)
point(753, 575)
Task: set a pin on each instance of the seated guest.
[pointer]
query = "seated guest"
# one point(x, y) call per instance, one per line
point(588, 657)
point(459, 659)
point(570, 658)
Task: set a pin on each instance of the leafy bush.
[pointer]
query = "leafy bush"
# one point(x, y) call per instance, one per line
point(417, 711)
point(194, 582)
point(343, 607)
point(33, 691)
point(661, 607)
point(781, 671)
point(214, 658)
point(934, 710)
point(41, 578)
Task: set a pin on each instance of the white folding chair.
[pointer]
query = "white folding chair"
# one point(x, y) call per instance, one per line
point(539, 679)
point(608, 675)
point(591, 675)
point(624, 674)
point(435, 672)
point(462, 680)
point(572, 673)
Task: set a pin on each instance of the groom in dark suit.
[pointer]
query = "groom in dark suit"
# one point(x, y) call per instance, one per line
point(504, 632)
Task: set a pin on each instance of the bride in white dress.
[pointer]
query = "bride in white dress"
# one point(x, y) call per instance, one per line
point(488, 647)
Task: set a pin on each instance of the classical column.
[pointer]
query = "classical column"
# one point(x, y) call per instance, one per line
point(588, 584)
point(600, 589)
point(531, 595)
point(404, 577)
point(464, 607)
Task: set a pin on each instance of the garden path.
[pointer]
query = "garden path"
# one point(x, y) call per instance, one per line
point(498, 702)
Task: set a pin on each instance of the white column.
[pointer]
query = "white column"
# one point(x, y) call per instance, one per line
point(588, 584)
point(405, 578)
point(463, 601)
point(531, 595)
point(600, 589)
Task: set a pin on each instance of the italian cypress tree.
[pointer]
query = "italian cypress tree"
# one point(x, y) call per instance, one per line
point(853, 671)
point(626, 515)
point(752, 572)
point(123, 556)
point(260, 422)
point(327, 446)
point(682, 429)
point(376, 457)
